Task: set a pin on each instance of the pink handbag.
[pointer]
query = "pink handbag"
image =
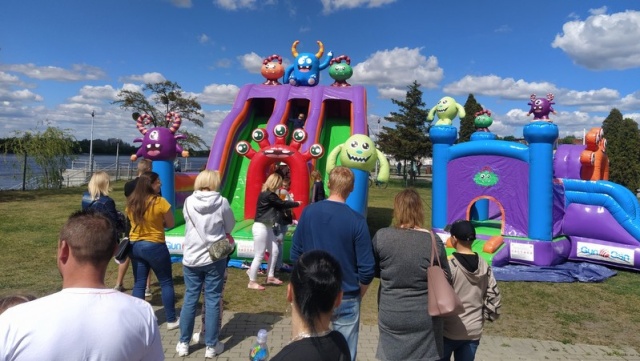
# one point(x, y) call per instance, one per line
point(442, 298)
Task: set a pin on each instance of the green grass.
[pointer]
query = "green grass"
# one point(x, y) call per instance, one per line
point(605, 313)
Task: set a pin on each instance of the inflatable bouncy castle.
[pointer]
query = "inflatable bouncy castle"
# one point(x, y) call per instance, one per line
point(257, 135)
point(530, 204)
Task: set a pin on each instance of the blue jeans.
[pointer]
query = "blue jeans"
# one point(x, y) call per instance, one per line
point(151, 255)
point(211, 277)
point(346, 320)
point(462, 350)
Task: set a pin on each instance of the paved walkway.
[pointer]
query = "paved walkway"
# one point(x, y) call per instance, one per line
point(239, 331)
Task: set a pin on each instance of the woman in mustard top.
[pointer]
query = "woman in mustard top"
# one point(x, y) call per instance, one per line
point(150, 214)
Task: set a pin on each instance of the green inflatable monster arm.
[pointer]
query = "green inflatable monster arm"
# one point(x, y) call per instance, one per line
point(383, 171)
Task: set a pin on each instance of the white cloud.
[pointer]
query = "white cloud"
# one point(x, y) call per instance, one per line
point(398, 67)
point(203, 39)
point(493, 85)
point(7, 80)
point(20, 96)
point(223, 63)
point(235, 4)
point(392, 93)
point(78, 72)
point(329, 6)
point(219, 94)
point(591, 97)
point(144, 78)
point(602, 41)
point(503, 29)
point(598, 11)
point(182, 3)
point(95, 95)
point(252, 62)
point(630, 102)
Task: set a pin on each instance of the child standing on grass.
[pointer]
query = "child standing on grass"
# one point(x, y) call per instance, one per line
point(474, 283)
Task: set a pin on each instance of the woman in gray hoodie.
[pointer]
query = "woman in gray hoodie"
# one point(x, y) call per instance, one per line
point(208, 219)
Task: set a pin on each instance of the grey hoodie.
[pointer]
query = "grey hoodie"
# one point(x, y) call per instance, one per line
point(208, 218)
point(480, 296)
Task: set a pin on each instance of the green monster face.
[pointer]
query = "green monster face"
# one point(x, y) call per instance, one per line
point(486, 177)
point(340, 71)
point(446, 108)
point(359, 152)
point(483, 121)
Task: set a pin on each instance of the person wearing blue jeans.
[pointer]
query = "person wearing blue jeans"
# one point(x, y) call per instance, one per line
point(149, 215)
point(211, 277)
point(154, 256)
point(208, 219)
point(332, 226)
point(462, 350)
point(346, 320)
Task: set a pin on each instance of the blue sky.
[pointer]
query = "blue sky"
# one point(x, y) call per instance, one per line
point(60, 60)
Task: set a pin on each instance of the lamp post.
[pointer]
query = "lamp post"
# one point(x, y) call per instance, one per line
point(93, 113)
point(377, 140)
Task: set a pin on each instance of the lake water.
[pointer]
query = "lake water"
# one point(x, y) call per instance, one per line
point(11, 166)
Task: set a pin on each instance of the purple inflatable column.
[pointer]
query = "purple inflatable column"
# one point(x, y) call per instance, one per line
point(541, 135)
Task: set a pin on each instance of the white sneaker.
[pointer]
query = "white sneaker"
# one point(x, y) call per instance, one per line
point(182, 348)
point(211, 352)
point(173, 325)
point(147, 292)
point(196, 337)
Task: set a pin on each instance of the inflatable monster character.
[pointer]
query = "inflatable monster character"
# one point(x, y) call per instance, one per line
point(272, 70)
point(359, 152)
point(483, 120)
point(446, 109)
point(159, 143)
point(340, 72)
point(540, 107)
point(305, 70)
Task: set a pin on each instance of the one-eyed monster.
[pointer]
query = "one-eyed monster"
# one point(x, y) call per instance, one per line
point(359, 152)
point(446, 109)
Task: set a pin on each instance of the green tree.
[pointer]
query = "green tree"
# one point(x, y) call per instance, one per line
point(409, 139)
point(51, 150)
point(467, 126)
point(569, 139)
point(623, 149)
point(165, 97)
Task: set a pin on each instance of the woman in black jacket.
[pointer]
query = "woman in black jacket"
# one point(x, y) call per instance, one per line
point(267, 213)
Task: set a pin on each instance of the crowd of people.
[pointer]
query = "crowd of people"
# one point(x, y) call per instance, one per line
point(334, 262)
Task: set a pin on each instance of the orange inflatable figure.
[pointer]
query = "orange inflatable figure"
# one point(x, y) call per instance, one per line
point(594, 160)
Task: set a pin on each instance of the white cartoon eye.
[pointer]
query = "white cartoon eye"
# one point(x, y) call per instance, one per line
point(365, 146)
point(301, 61)
point(154, 135)
point(299, 135)
point(316, 150)
point(242, 147)
point(354, 144)
point(308, 61)
point(258, 135)
point(280, 130)
point(538, 102)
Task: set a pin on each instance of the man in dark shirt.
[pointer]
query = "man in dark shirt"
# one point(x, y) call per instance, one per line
point(144, 165)
point(299, 121)
point(334, 227)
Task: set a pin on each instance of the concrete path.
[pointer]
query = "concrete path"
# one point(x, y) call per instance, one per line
point(239, 331)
